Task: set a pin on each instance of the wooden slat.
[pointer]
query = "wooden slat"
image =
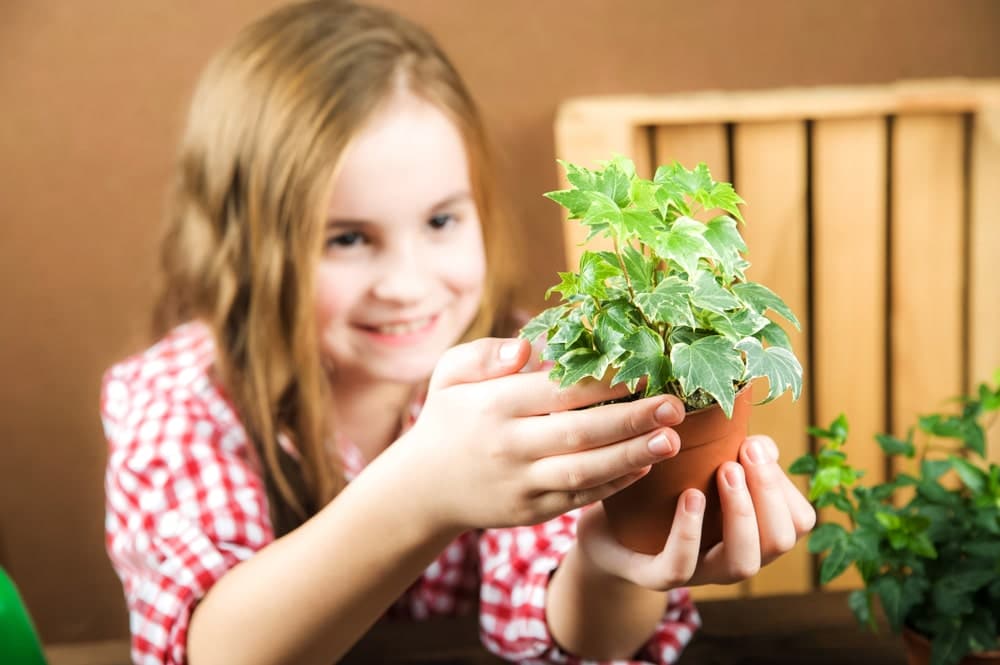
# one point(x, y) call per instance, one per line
point(771, 173)
point(585, 144)
point(849, 273)
point(984, 250)
point(690, 145)
point(927, 237)
point(954, 95)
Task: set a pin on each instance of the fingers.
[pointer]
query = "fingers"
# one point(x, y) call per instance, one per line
point(577, 471)
point(535, 394)
point(766, 483)
point(572, 431)
point(560, 501)
point(479, 360)
point(738, 556)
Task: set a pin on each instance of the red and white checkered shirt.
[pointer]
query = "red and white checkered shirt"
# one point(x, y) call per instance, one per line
point(186, 502)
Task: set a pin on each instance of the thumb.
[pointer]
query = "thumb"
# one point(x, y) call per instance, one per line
point(479, 360)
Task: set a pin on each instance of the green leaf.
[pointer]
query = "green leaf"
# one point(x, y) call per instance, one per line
point(860, 602)
point(724, 237)
point(574, 200)
point(825, 480)
point(643, 194)
point(610, 334)
point(543, 322)
point(639, 269)
point(934, 469)
point(737, 325)
point(578, 176)
point(710, 364)
point(775, 335)
point(615, 180)
point(582, 363)
point(568, 286)
point(762, 299)
point(803, 465)
point(898, 597)
point(973, 477)
point(684, 244)
point(604, 211)
point(569, 330)
point(709, 294)
point(825, 536)
point(835, 563)
point(646, 358)
point(722, 195)
point(781, 368)
point(893, 446)
point(974, 437)
point(641, 224)
point(669, 302)
point(594, 270)
point(949, 648)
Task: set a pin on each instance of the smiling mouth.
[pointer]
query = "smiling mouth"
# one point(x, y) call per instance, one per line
point(407, 328)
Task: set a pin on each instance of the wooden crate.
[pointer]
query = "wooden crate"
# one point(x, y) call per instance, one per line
point(874, 211)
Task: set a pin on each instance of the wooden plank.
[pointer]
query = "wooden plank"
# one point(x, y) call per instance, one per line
point(690, 145)
point(771, 174)
point(952, 95)
point(927, 242)
point(849, 285)
point(984, 256)
point(584, 143)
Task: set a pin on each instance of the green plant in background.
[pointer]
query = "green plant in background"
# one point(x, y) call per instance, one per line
point(934, 562)
point(670, 303)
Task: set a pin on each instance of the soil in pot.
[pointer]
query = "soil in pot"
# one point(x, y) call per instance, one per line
point(918, 651)
point(641, 514)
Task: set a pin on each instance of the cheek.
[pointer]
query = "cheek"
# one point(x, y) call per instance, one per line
point(332, 301)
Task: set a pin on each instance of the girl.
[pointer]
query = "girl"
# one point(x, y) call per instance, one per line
point(271, 490)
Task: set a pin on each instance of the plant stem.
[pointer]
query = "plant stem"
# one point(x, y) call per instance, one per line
point(628, 283)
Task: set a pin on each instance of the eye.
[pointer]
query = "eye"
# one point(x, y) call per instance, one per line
point(346, 239)
point(442, 220)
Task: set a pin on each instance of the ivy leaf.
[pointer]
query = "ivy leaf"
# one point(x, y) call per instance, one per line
point(806, 464)
point(721, 195)
point(640, 224)
point(710, 364)
point(762, 299)
point(645, 359)
point(593, 271)
point(724, 237)
point(860, 602)
point(542, 323)
point(610, 334)
point(781, 368)
point(973, 477)
point(574, 200)
point(684, 244)
point(578, 176)
point(737, 325)
point(603, 211)
point(825, 536)
point(581, 363)
point(835, 563)
point(570, 330)
point(669, 302)
point(569, 286)
point(615, 180)
point(639, 269)
point(709, 294)
point(775, 335)
point(898, 597)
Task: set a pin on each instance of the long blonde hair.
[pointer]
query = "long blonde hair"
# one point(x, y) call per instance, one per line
point(269, 120)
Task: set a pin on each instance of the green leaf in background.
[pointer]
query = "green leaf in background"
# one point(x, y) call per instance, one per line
point(825, 536)
point(668, 302)
point(804, 464)
point(781, 368)
point(973, 477)
point(710, 364)
point(893, 446)
point(835, 563)
point(724, 237)
point(762, 299)
point(860, 602)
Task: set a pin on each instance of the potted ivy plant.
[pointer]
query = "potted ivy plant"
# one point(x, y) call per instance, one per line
point(926, 545)
point(668, 309)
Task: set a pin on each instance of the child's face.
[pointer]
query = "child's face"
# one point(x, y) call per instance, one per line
point(403, 262)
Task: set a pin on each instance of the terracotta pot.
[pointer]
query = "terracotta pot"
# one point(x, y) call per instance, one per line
point(641, 514)
point(918, 651)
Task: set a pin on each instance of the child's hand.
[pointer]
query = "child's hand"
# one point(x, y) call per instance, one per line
point(764, 515)
point(494, 447)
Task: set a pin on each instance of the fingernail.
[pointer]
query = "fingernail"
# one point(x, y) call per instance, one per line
point(772, 450)
point(665, 414)
point(660, 445)
point(734, 476)
point(694, 503)
point(757, 453)
point(509, 350)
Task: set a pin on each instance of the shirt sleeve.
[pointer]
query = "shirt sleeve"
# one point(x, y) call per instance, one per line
point(517, 564)
point(184, 504)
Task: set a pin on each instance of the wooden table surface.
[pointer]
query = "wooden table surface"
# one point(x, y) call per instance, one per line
point(812, 629)
point(780, 630)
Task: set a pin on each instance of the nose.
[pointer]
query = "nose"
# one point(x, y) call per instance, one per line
point(404, 277)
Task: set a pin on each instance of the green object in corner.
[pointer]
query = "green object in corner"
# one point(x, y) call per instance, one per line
point(19, 643)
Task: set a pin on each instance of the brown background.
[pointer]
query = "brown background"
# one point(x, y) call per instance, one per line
point(91, 99)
